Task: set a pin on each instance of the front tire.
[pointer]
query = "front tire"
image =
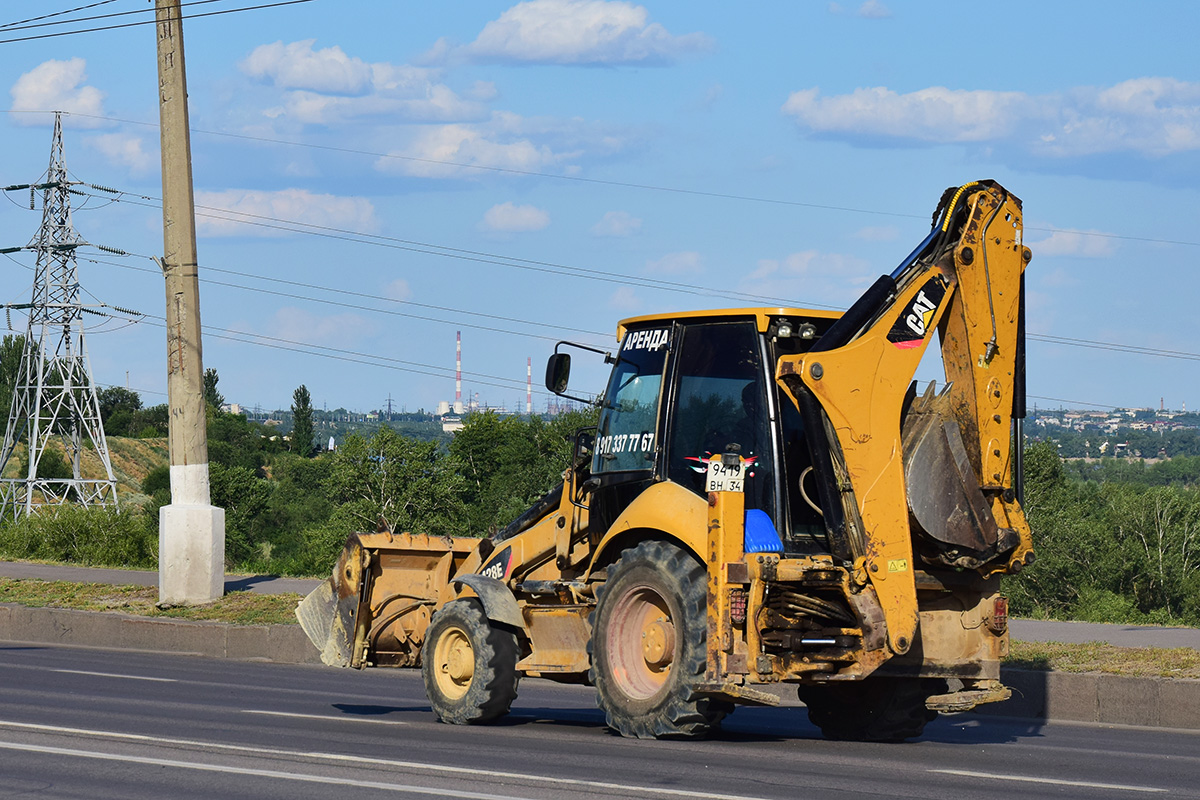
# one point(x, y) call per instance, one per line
point(881, 709)
point(648, 645)
point(469, 665)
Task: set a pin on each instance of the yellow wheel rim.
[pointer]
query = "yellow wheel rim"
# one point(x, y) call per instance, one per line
point(641, 642)
point(454, 663)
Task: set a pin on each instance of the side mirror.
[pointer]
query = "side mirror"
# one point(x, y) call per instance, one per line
point(558, 372)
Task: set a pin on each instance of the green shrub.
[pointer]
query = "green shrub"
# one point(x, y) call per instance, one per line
point(320, 546)
point(102, 537)
point(158, 478)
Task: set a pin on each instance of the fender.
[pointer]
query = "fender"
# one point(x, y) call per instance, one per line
point(666, 507)
point(498, 602)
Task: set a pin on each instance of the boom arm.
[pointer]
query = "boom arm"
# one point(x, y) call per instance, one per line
point(938, 467)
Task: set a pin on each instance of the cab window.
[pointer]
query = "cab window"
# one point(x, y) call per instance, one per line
point(721, 401)
point(628, 427)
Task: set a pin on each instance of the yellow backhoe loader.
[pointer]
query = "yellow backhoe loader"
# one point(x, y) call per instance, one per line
point(767, 499)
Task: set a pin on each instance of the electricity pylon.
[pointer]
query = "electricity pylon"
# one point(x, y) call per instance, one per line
point(54, 399)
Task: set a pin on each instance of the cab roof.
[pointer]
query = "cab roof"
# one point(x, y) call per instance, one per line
point(762, 317)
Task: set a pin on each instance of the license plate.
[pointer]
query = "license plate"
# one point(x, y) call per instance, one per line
point(722, 478)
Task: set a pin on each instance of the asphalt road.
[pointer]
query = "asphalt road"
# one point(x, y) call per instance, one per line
point(101, 724)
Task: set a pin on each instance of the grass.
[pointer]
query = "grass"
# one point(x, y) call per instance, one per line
point(237, 608)
point(1142, 662)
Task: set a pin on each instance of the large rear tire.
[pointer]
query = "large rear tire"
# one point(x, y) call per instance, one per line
point(882, 709)
point(469, 665)
point(648, 645)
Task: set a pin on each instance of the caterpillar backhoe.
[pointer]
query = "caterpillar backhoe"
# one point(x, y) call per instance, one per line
point(767, 499)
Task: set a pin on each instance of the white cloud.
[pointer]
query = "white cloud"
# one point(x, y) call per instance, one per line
point(932, 115)
point(580, 32)
point(1147, 116)
point(297, 325)
point(436, 103)
point(682, 263)
point(326, 86)
point(879, 233)
point(514, 219)
point(625, 300)
point(1088, 244)
point(483, 91)
point(617, 224)
point(450, 150)
point(505, 142)
point(873, 9)
point(398, 290)
point(124, 150)
point(242, 209)
point(811, 278)
point(298, 66)
point(57, 86)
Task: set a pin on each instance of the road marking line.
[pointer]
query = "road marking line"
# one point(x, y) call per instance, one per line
point(114, 675)
point(411, 765)
point(260, 773)
point(326, 717)
point(1053, 781)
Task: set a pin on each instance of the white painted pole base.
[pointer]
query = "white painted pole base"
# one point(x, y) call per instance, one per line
point(191, 541)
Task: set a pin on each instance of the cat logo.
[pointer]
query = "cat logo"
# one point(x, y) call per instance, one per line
point(909, 329)
point(921, 312)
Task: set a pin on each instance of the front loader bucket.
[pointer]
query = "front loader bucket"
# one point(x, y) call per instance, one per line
point(328, 615)
point(944, 497)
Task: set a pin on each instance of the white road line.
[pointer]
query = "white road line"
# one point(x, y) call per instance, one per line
point(381, 762)
point(1053, 781)
point(325, 717)
point(260, 773)
point(114, 675)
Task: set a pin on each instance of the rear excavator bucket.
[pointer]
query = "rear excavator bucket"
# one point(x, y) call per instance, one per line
point(944, 498)
point(329, 613)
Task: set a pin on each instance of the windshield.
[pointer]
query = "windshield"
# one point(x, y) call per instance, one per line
point(628, 428)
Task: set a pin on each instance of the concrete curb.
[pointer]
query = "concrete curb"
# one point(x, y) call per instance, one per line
point(284, 644)
point(1098, 697)
point(1079, 697)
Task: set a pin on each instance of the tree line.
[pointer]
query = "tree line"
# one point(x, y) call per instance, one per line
point(1116, 540)
point(1119, 542)
point(290, 505)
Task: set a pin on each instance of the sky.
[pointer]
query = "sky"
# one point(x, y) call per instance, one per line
point(372, 177)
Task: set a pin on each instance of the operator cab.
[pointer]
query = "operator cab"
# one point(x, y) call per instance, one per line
point(689, 387)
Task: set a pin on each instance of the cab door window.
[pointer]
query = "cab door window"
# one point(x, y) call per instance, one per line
point(628, 428)
point(721, 401)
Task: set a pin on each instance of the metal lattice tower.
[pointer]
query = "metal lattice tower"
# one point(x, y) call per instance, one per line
point(54, 399)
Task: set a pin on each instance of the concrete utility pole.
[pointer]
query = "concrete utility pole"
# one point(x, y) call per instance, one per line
point(191, 539)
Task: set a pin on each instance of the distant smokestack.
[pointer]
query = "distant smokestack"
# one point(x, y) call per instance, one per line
point(458, 407)
point(529, 385)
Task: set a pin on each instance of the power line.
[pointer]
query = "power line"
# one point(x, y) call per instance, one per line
point(1112, 406)
point(606, 182)
point(352, 306)
point(516, 384)
point(23, 27)
point(57, 14)
point(1115, 346)
point(667, 285)
point(476, 256)
point(151, 22)
point(352, 356)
